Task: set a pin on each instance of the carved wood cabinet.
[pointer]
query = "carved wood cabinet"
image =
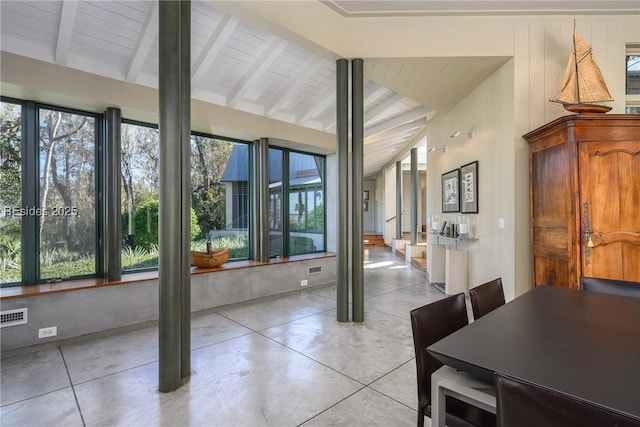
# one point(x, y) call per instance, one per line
point(585, 199)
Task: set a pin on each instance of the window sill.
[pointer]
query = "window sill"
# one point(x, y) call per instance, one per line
point(97, 282)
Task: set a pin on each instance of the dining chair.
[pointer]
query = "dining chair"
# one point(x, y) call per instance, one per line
point(610, 286)
point(524, 404)
point(431, 323)
point(486, 297)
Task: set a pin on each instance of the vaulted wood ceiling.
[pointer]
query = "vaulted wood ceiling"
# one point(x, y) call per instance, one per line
point(240, 66)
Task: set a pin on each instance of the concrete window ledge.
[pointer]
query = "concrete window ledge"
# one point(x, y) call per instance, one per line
point(22, 291)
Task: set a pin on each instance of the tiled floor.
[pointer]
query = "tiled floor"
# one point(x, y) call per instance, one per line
point(279, 361)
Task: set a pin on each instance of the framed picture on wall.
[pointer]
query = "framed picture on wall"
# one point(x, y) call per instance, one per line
point(365, 195)
point(366, 206)
point(469, 188)
point(451, 191)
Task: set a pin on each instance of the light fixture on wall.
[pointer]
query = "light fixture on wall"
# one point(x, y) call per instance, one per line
point(431, 149)
point(469, 133)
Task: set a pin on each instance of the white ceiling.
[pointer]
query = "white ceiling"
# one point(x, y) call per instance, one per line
point(241, 66)
point(360, 8)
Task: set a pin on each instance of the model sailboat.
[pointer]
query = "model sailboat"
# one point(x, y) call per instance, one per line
point(582, 86)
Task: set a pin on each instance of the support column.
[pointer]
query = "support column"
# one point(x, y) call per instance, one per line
point(398, 200)
point(342, 214)
point(174, 341)
point(357, 168)
point(414, 196)
point(112, 239)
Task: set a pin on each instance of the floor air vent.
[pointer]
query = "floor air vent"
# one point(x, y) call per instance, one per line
point(13, 317)
point(315, 270)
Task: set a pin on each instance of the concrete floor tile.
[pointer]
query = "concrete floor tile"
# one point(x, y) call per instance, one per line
point(268, 312)
point(366, 408)
point(57, 408)
point(32, 374)
point(363, 351)
point(102, 356)
point(400, 384)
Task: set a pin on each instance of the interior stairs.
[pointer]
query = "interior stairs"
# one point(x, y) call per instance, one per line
point(374, 240)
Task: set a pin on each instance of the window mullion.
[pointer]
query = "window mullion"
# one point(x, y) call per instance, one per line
point(30, 193)
point(285, 202)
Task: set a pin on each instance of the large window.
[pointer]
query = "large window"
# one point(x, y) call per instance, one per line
point(10, 192)
point(67, 225)
point(219, 207)
point(139, 164)
point(51, 184)
point(48, 189)
point(296, 203)
point(220, 194)
point(306, 203)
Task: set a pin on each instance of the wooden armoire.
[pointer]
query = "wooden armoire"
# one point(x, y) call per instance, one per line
point(585, 199)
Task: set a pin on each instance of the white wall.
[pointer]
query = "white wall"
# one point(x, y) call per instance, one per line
point(380, 202)
point(369, 217)
point(389, 204)
point(493, 254)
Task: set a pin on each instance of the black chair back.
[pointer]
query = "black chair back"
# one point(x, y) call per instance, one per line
point(486, 297)
point(610, 286)
point(429, 324)
point(526, 405)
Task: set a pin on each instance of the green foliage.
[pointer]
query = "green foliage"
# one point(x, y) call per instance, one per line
point(209, 203)
point(10, 159)
point(55, 263)
point(301, 245)
point(146, 225)
point(238, 245)
point(316, 218)
point(10, 259)
point(139, 257)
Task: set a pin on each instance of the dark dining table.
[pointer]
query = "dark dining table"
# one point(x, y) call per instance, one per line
point(584, 344)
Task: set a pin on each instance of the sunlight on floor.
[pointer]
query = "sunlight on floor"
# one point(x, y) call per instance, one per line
point(378, 264)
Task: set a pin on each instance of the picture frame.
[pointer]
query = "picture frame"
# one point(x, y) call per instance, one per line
point(469, 196)
point(451, 191)
point(366, 206)
point(365, 195)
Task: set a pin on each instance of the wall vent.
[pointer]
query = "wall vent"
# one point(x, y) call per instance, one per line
point(13, 317)
point(315, 270)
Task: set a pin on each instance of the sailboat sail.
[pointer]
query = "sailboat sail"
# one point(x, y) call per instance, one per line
point(582, 82)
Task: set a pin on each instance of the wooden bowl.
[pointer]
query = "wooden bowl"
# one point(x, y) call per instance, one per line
point(212, 259)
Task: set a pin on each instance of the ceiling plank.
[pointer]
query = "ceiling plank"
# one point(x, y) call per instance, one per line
point(147, 35)
point(214, 45)
point(319, 107)
point(301, 78)
point(409, 116)
point(260, 65)
point(373, 114)
point(65, 31)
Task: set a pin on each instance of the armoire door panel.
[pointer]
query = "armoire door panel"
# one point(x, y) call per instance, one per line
point(549, 178)
point(610, 197)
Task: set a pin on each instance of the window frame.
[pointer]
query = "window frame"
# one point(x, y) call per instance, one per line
point(632, 101)
point(30, 185)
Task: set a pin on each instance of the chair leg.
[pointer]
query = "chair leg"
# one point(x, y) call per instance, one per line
point(421, 417)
